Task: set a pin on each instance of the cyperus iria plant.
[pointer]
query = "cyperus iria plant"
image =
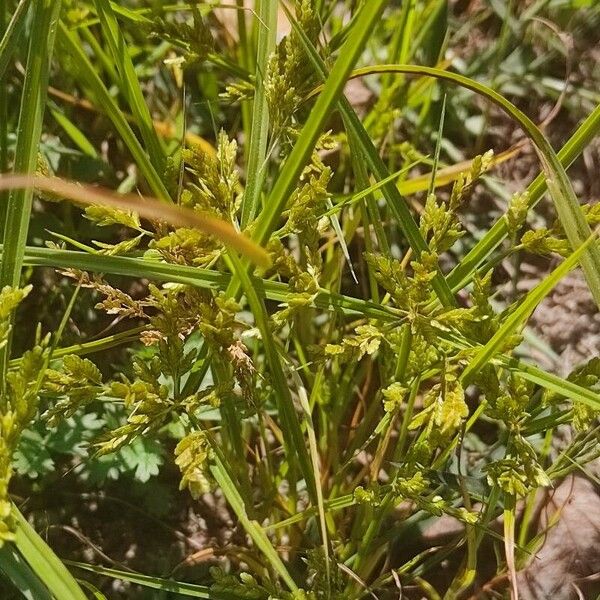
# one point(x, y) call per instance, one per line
point(300, 322)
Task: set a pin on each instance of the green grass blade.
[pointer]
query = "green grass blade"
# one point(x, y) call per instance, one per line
point(549, 381)
point(76, 135)
point(521, 313)
point(21, 575)
point(204, 278)
point(87, 73)
point(45, 564)
point(391, 193)
point(207, 279)
point(291, 170)
point(156, 583)
point(12, 35)
point(130, 84)
point(314, 456)
point(254, 530)
point(31, 116)
point(257, 153)
point(293, 437)
point(561, 190)
point(462, 274)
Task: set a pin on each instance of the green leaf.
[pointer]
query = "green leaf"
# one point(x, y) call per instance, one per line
point(33, 101)
point(396, 202)
point(32, 459)
point(155, 583)
point(12, 35)
point(86, 72)
point(254, 530)
point(257, 152)
point(144, 456)
point(520, 314)
point(21, 575)
point(46, 565)
point(130, 83)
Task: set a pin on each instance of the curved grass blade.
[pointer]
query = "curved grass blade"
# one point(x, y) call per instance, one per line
point(156, 583)
point(45, 564)
point(462, 274)
point(561, 190)
point(88, 76)
point(395, 201)
point(522, 312)
point(147, 208)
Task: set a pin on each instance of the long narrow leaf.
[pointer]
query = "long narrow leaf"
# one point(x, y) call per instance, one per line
point(21, 574)
point(33, 101)
point(156, 583)
point(462, 274)
point(86, 71)
point(520, 314)
point(561, 190)
point(313, 127)
point(12, 35)
point(254, 530)
point(148, 208)
point(396, 202)
point(257, 153)
point(130, 83)
point(46, 565)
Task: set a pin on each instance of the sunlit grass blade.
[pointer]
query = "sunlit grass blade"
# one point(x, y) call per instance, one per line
point(21, 575)
point(259, 135)
point(395, 201)
point(561, 190)
point(550, 382)
point(45, 564)
point(147, 208)
point(254, 530)
point(521, 313)
point(291, 170)
point(462, 274)
point(204, 278)
point(130, 83)
point(449, 174)
point(69, 43)
point(189, 590)
point(366, 192)
point(31, 116)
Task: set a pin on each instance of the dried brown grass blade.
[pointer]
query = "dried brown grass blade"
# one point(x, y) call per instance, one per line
point(149, 208)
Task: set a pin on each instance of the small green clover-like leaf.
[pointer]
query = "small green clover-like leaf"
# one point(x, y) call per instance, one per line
point(144, 457)
point(32, 458)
